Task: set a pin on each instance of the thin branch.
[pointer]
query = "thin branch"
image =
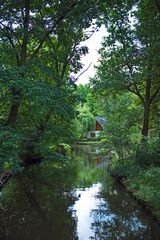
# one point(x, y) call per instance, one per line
point(68, 59)
point(155, 94)
point(14, 49)
point(91, 33)
point(11, 31)
point(11, 42)
point(136, 93)
point(83, 72)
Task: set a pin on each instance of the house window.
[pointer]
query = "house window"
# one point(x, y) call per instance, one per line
point(92, 135)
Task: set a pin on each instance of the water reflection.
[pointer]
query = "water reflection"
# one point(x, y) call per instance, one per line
point(78, 201)
point(88, 152)
point(35, 205)
point(83, 207)
point(106, 211)
point(117, 216)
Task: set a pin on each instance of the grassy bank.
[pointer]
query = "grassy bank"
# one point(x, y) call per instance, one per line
point(140, 175)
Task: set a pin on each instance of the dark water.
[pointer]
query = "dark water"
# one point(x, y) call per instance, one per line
point(78, 201)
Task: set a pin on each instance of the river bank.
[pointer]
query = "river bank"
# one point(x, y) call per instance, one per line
point(142, 183)
point(132, 192)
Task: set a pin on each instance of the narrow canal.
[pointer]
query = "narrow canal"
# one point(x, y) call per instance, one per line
point(78, 201)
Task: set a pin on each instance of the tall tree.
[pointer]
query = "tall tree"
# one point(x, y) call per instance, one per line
point(40, 48)
point(129, 59)
point(25, 27)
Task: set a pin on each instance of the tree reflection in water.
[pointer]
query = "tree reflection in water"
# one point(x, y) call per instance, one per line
point(118, 217)
point(39, 204)
point(35, 205)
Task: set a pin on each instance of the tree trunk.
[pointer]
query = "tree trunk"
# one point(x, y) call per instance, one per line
point(13, 113)
point(147, 104)
point(145, 127)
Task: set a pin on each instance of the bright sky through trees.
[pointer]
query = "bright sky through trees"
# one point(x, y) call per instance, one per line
point(94, 44)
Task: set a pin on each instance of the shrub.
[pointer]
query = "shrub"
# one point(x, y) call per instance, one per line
point(122, 167)
point(148, 153)
point(64, 149)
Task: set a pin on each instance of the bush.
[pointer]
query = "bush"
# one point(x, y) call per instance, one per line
point(148, 153)
point(122, 167)
point(64, 149)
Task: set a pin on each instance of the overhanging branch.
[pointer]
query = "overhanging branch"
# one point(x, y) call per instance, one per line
point(83, 72)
